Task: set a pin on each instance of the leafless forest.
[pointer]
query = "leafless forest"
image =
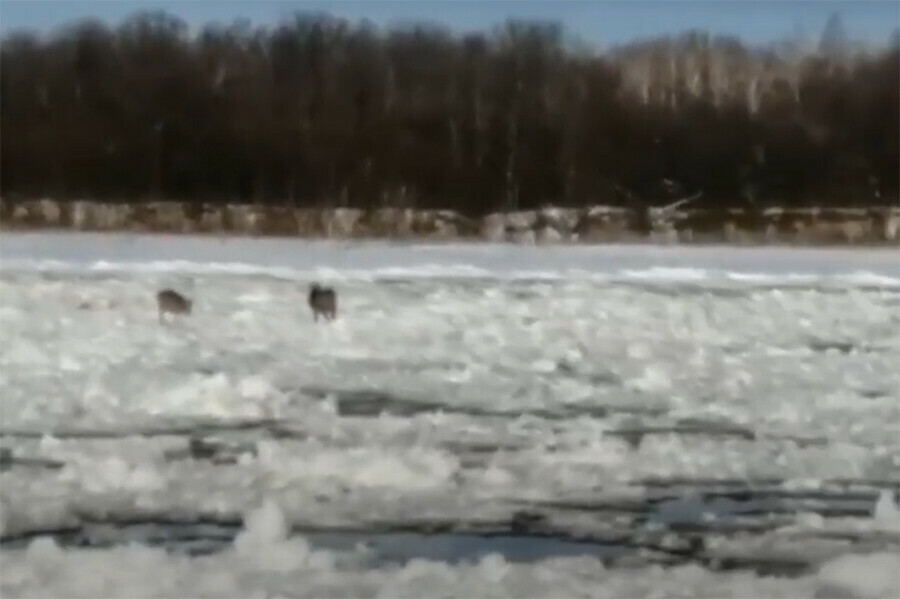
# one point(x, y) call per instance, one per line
point(321, 112)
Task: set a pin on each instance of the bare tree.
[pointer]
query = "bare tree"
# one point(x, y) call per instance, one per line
point(318, 110)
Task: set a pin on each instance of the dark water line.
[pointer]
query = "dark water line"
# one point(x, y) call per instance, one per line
point(754, 483)
point(391, 547)
point(159, 430)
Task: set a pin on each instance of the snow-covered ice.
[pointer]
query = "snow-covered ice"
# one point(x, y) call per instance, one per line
point(459, 383)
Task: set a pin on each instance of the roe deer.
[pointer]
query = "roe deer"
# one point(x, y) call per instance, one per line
point(172, 302)
point(323, 300)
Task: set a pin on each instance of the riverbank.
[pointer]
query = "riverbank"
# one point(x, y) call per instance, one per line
point(877, 225)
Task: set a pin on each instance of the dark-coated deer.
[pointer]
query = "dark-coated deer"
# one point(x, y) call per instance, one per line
point(323, 300)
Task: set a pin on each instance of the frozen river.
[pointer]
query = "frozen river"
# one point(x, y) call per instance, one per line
point(480, 421)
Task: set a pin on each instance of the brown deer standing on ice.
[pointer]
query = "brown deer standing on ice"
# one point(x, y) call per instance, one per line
point(169, 301)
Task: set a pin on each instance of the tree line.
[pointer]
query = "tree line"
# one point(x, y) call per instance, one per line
point(318, 111)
